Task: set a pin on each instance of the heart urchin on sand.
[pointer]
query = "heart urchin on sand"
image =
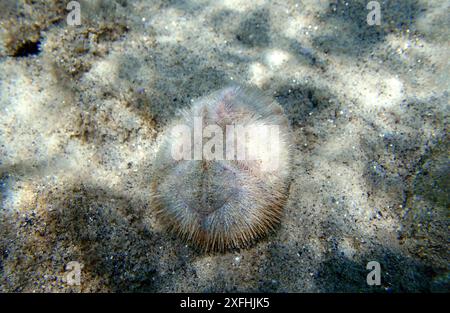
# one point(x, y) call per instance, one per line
point(223, 193)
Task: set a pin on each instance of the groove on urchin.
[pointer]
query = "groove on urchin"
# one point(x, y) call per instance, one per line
point(219, 204)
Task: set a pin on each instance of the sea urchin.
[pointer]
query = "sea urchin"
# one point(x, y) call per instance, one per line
point(221, 172)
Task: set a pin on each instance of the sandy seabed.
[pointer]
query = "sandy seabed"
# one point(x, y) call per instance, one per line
point(82, 108)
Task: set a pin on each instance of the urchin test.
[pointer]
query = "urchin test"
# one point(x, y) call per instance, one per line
point(220, 178)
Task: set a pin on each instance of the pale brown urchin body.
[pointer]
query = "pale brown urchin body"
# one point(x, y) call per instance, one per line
point(225, 203)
